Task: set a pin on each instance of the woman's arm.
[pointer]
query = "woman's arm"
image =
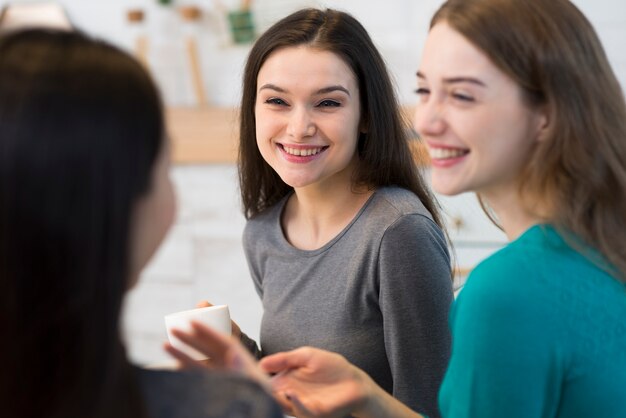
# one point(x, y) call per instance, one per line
point(415, 295)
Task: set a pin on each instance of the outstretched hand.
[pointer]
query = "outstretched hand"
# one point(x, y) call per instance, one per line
point(225, 352)
point(317, 383)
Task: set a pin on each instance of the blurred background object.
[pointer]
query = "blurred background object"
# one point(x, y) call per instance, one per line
point(242, 23)
point(136, 18)
point(24, 15)
point(191, 16)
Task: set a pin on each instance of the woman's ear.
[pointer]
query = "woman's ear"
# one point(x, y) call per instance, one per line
point(543, 124)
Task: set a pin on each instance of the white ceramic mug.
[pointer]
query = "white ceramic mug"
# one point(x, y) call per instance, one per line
point(216, 317)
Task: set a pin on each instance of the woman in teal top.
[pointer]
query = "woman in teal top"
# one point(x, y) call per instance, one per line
point(538, 332)
point(519, 104)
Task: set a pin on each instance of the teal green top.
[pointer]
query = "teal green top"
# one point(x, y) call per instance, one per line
point(538, 331)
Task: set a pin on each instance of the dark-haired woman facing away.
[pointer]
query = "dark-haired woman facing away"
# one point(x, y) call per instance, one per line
point(344, 239)
point(85, 199)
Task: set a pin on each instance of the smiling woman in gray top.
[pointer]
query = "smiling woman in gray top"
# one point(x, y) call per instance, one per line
point(344, 240)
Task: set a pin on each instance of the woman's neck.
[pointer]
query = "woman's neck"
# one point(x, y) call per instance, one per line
point(512, 212)
point(315, 215)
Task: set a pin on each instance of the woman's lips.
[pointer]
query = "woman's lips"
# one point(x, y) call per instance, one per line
point(446, 156)
point(301, 153)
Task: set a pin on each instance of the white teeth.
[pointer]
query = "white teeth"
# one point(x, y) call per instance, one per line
point(302, 152)
point(445, 153)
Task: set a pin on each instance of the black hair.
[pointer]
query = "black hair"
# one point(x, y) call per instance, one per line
point(81, 126)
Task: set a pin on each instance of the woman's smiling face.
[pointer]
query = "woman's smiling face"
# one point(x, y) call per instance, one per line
point(472, 116)
point(307, 116)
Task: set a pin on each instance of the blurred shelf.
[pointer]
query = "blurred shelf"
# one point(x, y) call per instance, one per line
point(203, 134)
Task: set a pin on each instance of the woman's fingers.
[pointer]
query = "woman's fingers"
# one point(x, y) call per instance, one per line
point(276, 363)
point(183, 359)
point(225, 351)
point(204, 340)
point(212, 338)
point(203, 304)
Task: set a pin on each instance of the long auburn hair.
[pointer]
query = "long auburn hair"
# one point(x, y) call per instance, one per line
point(81, 126)
point(385, 156)
point(553, 53)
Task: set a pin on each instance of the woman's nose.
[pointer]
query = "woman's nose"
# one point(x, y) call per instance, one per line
point(300, 124)
point(428, 119)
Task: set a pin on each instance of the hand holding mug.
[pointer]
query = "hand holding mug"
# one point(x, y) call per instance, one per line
point(235, 330)
point(225, 352)
point(216, 317)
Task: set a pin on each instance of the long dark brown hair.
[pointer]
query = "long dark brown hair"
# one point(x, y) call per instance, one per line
point(553, 53)
point(385, 156)
point(80, 129)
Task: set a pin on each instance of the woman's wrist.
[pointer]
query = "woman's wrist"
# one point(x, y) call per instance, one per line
point(367, 405)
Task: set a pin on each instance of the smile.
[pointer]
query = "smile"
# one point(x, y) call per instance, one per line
point(301, 152)
point(446, 153)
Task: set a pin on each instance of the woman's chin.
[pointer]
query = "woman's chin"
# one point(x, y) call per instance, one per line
point(447, 188)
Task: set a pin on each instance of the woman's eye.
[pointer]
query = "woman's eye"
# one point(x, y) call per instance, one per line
point(276, 101)
point(463, 97)
point(329, 103)
point(423, 94)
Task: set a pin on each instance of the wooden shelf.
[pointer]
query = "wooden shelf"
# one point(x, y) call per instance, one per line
point(203, 134)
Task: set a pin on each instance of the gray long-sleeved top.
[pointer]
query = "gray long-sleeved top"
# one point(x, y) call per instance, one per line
point(378, 293)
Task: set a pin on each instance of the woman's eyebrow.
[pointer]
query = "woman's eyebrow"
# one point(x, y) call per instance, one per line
point(274, 87)
point(472, 80)
point(330, 89)
point(324, 90)
point(459, 79)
